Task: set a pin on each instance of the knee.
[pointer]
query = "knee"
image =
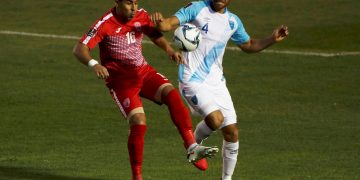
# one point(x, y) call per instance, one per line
point(137, 119)
point(231, 136)
point(231, 133)
point(167, 93)
point(214, 120)
point(219, 121)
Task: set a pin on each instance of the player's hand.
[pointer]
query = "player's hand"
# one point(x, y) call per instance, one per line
point(280, 33)
point(177, 57)
point(100, 71)
point(157, 18)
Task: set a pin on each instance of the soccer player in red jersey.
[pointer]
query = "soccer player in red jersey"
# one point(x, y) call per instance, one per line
point(119, 34)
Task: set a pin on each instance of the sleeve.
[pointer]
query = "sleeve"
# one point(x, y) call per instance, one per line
point(189, 12)
point(150, 29)
point(94, 35)
point(240, 36)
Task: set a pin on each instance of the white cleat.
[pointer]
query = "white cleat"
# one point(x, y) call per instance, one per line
point(200, 152)
point(200, 141)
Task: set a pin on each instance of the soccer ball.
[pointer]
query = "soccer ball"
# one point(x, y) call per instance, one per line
point(187, 37)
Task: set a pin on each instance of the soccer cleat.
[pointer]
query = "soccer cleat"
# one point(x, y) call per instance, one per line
point(138, 177)
point(200, 152)
point(201, 164)
point(201, 141)
point(225, 178)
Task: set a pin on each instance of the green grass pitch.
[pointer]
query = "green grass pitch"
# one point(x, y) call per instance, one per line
point(299, 116)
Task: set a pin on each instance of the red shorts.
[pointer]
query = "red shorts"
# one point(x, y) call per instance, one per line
point(127, 86)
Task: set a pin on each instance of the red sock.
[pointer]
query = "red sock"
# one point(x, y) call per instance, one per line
point(136, 148)
point(180, 116)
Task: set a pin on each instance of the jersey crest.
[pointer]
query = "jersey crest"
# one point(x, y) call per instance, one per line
point(194, 100)
point(126, 102)
point(231, 24)
point(137, 26)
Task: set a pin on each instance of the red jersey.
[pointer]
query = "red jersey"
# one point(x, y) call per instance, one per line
point(119, 42)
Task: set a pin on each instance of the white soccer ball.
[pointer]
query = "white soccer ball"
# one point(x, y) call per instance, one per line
point(187, 37)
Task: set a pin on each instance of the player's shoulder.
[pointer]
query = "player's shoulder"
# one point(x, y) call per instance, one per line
point(103, 20)
point(106, 16)
point(234, 17)
point(200, 3)
point(142, 13)
point(197, 4)
point(142, 16)
point(231, 14)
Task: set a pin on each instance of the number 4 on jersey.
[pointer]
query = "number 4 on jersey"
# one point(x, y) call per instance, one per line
point(205, 28)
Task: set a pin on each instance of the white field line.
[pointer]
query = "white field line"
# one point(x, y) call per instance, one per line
point(301, 53)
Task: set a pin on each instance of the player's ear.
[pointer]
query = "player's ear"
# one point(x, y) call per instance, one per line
point(117, 2)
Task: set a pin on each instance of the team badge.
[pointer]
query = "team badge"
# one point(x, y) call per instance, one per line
point(92, 32)
point(126, 102)
point(137, 26)
point(194, 100)
point(231, 24)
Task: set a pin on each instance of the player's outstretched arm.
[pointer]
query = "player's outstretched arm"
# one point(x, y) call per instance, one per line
point(82, 53)
point(280, 33)
point(165, 45)
point(164, 24)
point(256, 45)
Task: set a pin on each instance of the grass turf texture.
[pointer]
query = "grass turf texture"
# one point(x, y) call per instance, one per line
point(298, 115)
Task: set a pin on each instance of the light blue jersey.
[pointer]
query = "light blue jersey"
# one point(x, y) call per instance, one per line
point(204, 65)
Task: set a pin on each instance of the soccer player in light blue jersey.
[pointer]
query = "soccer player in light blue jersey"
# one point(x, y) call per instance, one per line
point(202, 82)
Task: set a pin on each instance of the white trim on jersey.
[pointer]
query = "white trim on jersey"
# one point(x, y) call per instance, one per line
point(142, 9)
point(118, 103)
point(98, 24)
